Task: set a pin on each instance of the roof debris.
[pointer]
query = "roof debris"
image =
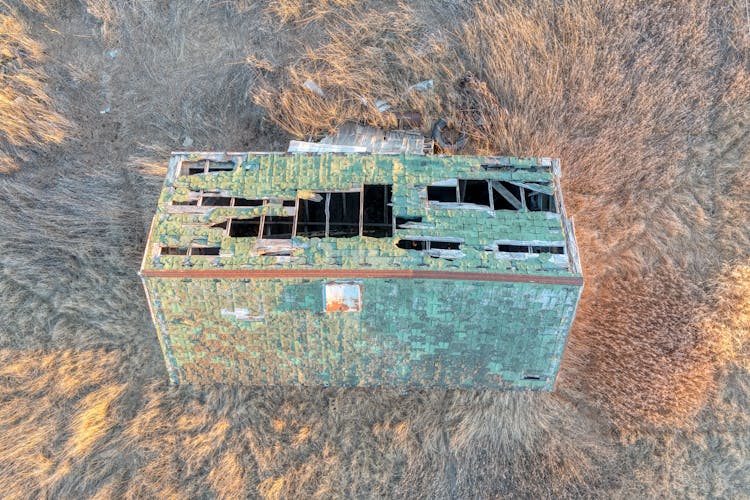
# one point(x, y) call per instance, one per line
point(355, 138)
point(313, 87)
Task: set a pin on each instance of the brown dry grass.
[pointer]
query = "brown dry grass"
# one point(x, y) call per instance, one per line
point(646, 104)
point(28, 118)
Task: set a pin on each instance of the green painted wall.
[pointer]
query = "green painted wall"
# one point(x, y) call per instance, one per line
point(410, 332)
point(444, 333)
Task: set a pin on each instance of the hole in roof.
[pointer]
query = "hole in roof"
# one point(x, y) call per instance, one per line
point(474, 191)
point(311, 217)
point(220, 166)
point(539, 202)
point(444, 194)
point(506, 196)
point(343, 220)
point(204, 251)
point(247, 202)
point(513, 248)
point(425, 245)
point(173, 251)
point(558, 250)
point(277, 227)
point(377, 220)
point(244, 228)
point(216, 201)
point(192, 167)
point(445, 245)
point(408, 244)
point(552, 249)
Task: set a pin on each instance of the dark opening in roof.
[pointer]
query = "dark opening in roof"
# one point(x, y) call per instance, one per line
point(192, 167)
point(416, 244)
point(445, 245)
point(173, 251)
point(343, 220)
point(378, 212)
point(244, 228)
point(247, 202)
point(445, 194)
point(408, 244)
point(216, 201)
point(554, 249)
point(220, 166)
point(474, 191)
point(204, 251)
point(277, 227)
point(506, 196)
point(539, 202)
point(311, 218)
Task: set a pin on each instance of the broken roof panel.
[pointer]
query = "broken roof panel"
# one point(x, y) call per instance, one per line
point(243, 204)
point(376, 140)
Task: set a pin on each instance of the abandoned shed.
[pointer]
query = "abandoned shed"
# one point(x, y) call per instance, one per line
point(362, 269)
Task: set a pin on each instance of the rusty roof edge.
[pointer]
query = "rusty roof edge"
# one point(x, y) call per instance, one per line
point(360, 273)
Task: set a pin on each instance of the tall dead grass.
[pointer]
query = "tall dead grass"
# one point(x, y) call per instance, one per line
point(28, 119)
point(652, 363)
point(152, 76)
point(729, 319)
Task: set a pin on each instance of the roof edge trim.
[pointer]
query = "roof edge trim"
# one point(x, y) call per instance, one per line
point(360, 273)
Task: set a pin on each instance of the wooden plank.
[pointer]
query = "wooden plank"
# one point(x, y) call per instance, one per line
point(328, 212)
point(269, 245)
point(296, 217)
point(361, 210)
point(445, 183)
point(262, 220)
point(188, 209)
point(316, 147)
point(506, 194)
point(533, 186)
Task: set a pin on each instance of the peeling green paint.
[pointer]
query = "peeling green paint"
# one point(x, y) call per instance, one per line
point(281, 177)
point(409, 332)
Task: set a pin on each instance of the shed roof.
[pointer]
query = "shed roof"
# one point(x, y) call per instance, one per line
point(204, 194)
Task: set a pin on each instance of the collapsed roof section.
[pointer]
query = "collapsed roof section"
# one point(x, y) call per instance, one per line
point(357, 138)
point(470, 214)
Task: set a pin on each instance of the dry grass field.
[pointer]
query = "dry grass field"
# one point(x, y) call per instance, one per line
point(646, 103)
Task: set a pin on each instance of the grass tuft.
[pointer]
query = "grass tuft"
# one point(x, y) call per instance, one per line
point(28, 120)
